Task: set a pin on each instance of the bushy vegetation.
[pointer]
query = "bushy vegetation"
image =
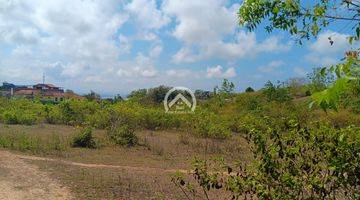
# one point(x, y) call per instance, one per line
point(303, 134)
point(123, 135)
point(297, 152)
point(84, 139)
point(208, 125)
point(302, 160)
point(218, 112)
point(33, 143)
point(292, 161)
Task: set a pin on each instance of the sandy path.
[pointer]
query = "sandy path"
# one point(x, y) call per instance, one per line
point(87, 165)
point(22, 181)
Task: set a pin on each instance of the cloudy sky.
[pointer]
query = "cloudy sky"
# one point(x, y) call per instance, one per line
point(115, 46)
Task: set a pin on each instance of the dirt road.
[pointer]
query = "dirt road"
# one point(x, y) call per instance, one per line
point(103, 166)
point(22, 181)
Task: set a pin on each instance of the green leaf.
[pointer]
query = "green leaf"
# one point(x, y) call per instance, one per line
point(275, 10)
point(351, 39)
point(338, 70)
point(323, 71)
point(329, 98)
point(341, 137)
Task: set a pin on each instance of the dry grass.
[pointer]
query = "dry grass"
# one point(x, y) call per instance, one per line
point(90, 183)
point(159, 150)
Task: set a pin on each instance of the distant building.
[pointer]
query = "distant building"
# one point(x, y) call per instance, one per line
point(46, 92)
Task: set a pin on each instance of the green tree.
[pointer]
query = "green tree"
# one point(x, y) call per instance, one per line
point(226, 88)
point(300, 18)
point(320, 81)
point(93, 96)
point(223, 92)
point(137, 94)
point(276, 92)
point(156, 95)
point(306, 20)
point(249, 89)
point(118, 98)
point(202, 95)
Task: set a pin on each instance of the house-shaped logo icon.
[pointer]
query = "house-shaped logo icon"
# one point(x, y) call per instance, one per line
point(180, 104)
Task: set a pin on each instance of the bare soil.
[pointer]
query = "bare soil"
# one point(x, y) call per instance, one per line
point(23, 181)
point(104, 166)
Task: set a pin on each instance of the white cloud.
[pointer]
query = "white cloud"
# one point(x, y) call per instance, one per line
point(93, 78)
point(322, 44)
point(185, 55)
point(26, 35)
point(142, 66)
point(217, 72)
point(73, 70)
point(299, 71)
point(155, 51)
point(229, 73)
point(271, 67)
point(125, 44)
point(81, 43)
point(179, 73)
point(322, 52)
point(186, 74)
point(203, 32)
point(147, 15)
point(73, 33)
point(323, 60)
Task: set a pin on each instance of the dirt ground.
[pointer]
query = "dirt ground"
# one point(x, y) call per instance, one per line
point(21, 181)
point(41, 161)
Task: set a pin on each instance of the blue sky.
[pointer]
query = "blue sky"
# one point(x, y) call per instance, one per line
point(116, 46)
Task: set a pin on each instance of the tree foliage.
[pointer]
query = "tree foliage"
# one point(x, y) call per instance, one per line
point(298, 17)
point(249, 89)
point(306, 20)
point(93, 96)
point(277, 93)
point(301, 163)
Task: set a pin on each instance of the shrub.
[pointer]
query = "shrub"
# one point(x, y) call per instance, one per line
point(123, 135)
point(208, 125)
point(124, 113)
point(53, 114)
point(100, 119)
point(74, 112)
point(304, 162)
point(28, 143)
point(276, 92)
point(249, 89)
point(151, 120)
point(5, 142)
point(10, 117)
point(155, 119)
point(27, 119)
point(249, 102)
point(84, 139)
point(241, 124)
point(19, 117)
point(20, 142)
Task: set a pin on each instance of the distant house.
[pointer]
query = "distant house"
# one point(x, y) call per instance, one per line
point(48, 87)
point(8, 89)
point(46, 92)
point(25, 92)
